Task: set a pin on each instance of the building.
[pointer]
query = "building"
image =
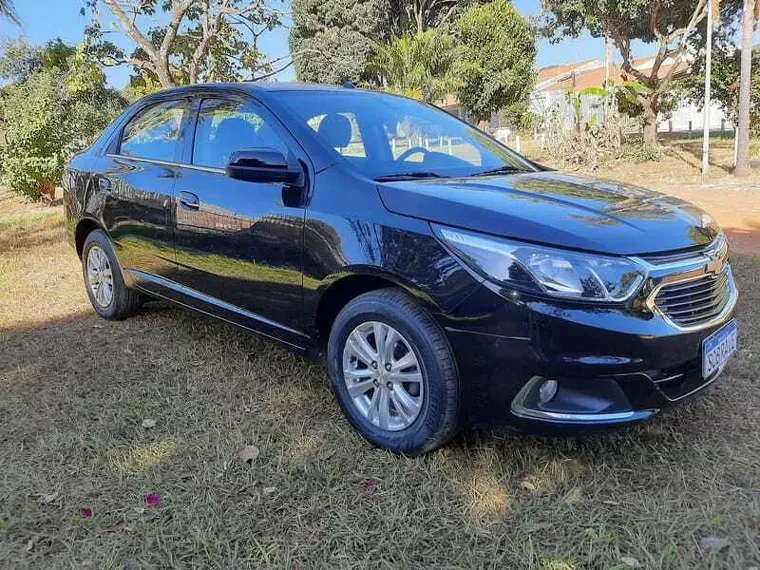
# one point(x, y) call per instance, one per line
point(553, 83)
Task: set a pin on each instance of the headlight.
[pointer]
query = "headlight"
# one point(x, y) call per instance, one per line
point(545, 270)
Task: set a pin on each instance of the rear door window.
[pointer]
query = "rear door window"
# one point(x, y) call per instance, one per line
point(155, 133)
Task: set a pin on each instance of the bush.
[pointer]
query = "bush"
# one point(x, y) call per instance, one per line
point(639, 151)
point(36, 134)
point(47, 115)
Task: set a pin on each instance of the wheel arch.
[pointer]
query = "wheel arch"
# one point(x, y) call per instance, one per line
point(347, 287)
point(84, 227)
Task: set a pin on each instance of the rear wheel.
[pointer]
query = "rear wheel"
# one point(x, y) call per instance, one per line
point(109, 295)
point(393, 372)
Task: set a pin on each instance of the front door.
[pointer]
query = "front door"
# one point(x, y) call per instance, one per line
point(238, 244)
point(136, 183)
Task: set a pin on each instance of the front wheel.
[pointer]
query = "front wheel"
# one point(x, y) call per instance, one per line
point(393, 373)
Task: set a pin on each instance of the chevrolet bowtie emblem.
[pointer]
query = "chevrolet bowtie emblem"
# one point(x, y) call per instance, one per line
point(714, 264)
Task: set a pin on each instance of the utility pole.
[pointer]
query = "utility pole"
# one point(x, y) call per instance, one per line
point(708, 94)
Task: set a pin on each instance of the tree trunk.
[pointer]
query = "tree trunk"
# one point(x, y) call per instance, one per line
point(163, 72)
point(743, 167)
point(650, 104)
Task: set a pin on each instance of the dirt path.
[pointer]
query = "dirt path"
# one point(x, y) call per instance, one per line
point(734, 203)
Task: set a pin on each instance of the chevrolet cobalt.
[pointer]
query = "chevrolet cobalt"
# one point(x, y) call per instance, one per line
point(442, 278)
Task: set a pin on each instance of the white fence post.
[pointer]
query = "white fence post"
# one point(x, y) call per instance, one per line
point(736, 144)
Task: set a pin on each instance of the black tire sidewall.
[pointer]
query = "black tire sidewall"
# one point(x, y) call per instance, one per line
point(435, 423)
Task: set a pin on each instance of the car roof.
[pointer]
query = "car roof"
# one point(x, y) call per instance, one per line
point(256, 88)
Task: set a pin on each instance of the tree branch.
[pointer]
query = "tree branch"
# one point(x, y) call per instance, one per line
point(129, 25)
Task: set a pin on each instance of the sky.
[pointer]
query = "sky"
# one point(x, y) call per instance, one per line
point(43, 20)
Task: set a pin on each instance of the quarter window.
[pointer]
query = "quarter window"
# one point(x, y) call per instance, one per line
point(155, 132)
point(226, 126)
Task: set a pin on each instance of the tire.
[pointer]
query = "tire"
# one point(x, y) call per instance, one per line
point(436, 421)
point(122, 301)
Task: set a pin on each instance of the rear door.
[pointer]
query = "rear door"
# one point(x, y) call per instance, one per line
point(136, 183)
point(239, 244)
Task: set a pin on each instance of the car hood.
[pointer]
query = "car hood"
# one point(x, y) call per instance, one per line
point(556, 209)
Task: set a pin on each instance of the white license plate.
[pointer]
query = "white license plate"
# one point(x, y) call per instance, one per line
point(718, 348)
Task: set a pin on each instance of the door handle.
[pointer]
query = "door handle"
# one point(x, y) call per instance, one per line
point(189, 200)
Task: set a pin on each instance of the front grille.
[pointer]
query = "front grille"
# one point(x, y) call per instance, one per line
point(697, 301)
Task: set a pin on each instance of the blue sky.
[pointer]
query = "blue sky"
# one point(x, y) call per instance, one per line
point(47, 19)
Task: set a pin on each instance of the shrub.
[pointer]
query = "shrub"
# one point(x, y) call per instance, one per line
point(37, 136)
point(55, 107)
point(639, 151)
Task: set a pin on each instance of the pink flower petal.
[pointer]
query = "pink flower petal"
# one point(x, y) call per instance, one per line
point(369, 484)
point(152, 500)
point(86, 513)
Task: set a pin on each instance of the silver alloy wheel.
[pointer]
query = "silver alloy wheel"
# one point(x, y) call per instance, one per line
point(383, 376)
point(100, 276)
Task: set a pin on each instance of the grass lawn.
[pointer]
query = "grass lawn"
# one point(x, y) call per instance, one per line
point(682, 492)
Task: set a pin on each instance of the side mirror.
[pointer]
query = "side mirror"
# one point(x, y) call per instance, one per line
point(262, 165)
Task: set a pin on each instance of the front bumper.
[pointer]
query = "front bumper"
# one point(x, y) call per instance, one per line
point(613, 366)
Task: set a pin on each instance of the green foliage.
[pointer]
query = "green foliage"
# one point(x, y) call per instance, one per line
point(725, 80)
point(639, 151)
point(19, 59)
point(667, 23)
point(35, 132)
point(625, 19)
point(519, 115)
point(627, 97)
point(494, 58)
point(177, 43)
point(416, 66)
point(139, 88)
point(85, 74)
point(332, 41)
point(50, 112)
point(417, 16)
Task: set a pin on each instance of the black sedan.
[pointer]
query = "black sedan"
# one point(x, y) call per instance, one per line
point(443, 279)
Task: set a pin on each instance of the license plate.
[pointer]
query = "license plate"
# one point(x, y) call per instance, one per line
point(718, 348)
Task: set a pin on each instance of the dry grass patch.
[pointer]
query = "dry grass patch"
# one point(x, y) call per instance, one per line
point(75, 390)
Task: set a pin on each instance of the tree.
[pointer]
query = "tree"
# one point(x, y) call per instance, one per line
point(417, 16)
point(201, 40)
point(749, 17)
point(494, 59)
point(8, 11)
point(331, 41)
point(725, 78)
point(19, 59)
point(416, 66)
point(668, 23)
point(56, 105)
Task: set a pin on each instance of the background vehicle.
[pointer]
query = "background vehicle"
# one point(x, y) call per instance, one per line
point(445, 279)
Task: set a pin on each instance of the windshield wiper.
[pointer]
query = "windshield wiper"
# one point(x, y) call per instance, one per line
point(406, 175)
point(500, 170)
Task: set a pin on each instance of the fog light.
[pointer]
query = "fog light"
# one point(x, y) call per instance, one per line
point(547, 391)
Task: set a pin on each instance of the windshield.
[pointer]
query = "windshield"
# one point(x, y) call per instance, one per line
point(385, 136)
